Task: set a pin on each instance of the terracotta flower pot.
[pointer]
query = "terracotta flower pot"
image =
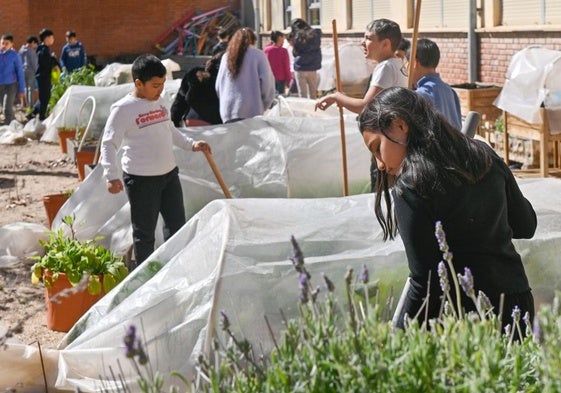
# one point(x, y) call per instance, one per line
point(64, 310)
point(53, 203)
point(63, 135)
point(83, 158)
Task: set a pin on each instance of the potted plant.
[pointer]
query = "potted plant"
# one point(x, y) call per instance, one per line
point(76, 274)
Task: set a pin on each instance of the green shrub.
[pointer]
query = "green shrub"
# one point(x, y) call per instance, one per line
point(82, 76)
point(326, 349)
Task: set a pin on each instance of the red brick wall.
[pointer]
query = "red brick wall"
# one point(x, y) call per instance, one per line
point(107, 28)
point(497, 50)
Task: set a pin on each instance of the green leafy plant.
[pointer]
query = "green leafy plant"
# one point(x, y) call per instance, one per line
point(82, 76)
point(78, 259)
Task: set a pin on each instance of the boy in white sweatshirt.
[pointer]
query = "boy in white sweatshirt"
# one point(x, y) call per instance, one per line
point(140, 125)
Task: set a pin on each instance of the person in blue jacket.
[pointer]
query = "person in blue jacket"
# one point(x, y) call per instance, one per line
point(12, 80)
point(73, 54)
point(307, 57)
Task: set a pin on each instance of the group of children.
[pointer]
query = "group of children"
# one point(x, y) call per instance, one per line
point(427, 172)
point(26, 75)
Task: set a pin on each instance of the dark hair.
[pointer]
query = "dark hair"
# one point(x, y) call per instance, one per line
point(386, 29)
point(428, 54)
point(146, 67)
point(275, 35)
point(404, 44)
point(438, 156)
point(237, 48)
point(8, 37)
point(70, 34)
point(299, 24)
point(32, 39)
point(44, 33)
point(223, 33)
point(302, 31)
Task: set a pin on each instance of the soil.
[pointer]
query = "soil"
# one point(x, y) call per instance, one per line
point(27, 172)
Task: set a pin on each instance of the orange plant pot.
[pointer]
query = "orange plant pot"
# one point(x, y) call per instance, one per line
point(64, 310)
point(83, 158)
point(63, 135)
point(53, 203)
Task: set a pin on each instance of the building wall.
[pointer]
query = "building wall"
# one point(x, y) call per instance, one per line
point(503, 27)
point(107, 28)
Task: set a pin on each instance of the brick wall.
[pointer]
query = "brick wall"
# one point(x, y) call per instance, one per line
point(107, 28)
point(495, 51)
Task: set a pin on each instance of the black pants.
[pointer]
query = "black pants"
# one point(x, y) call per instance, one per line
point(44, 86)
point(148, 197)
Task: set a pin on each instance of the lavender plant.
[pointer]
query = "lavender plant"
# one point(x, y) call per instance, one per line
point(327, 350)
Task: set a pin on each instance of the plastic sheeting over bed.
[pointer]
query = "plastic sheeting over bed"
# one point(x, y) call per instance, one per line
point(264, 157)
point(533, 79)
point(233, 255)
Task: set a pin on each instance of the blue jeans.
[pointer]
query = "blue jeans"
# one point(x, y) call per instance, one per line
point(148, 197)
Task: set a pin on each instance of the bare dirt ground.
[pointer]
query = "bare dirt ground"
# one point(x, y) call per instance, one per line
point(27, 172)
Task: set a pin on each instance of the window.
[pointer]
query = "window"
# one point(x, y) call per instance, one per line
point(444, 14)
point(313, 12)
point(287, 14)
point(364, 12)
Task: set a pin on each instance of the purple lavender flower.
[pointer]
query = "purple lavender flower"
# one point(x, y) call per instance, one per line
point(224, 321)
point(315, 294)
point(304, 284)
point(364, 276)
point(443, 275)
point(484, 301)
point(328, 283)
point(516, 314)
point(466, 282)
point(297, 257)
point(129, 340)
point(142, 357)
point(537, 331)
point(442, 243)
point(526, 319)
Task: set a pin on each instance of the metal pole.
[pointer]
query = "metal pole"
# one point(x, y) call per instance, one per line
point(472, 42)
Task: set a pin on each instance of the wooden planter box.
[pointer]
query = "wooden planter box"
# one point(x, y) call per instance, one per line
point(542, 151)
point(479, 98)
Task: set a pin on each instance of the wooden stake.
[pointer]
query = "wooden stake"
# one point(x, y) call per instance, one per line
point(413, 53)
point(341, 116)
point(217, 174)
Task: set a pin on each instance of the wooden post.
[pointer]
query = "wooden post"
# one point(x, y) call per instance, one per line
point(341, 116)
point(217, 174)
point(414, 43)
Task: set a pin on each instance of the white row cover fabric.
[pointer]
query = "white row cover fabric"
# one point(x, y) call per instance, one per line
point(533, 79)
point(233, 255)
point(355, 69)
point(67, 110)
point(263, 157)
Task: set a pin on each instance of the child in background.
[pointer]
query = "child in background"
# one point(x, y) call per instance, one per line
point(307, 57)
point(12, 80)
point(140, 124)
point(245, 84)
point(431, 86)
point(380, 42)
point(28, 55)
point(279, 61)
point(73, 54)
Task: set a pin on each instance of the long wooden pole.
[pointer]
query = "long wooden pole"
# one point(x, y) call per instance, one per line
point(217, 174)
point(413, 53)
point(341, 116)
